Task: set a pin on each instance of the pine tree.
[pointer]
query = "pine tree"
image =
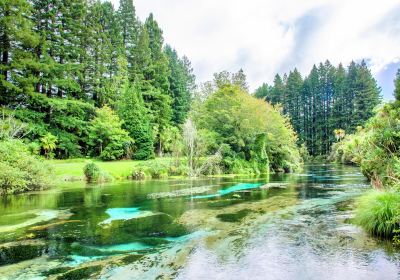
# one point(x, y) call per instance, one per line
point(133, 112)
point(17, 41)
point(240, 80)
point(397, 86)
point(263, 92)
point(130, 27)
point(366, 95)
point(294, 87)
point(157, 94)
point(278, 90)
point(182, 84)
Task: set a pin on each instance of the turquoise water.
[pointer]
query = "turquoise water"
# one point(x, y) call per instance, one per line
point(235, 188)
point(286, 226)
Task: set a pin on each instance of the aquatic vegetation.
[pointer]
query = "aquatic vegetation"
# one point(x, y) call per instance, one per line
point(19, 251)
point(379, 213)
point(38, 216)
point(81, 273)
point(131, 258)
point(180, 192)
point(234, 217)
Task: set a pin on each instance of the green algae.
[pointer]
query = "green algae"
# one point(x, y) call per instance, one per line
point(86, 272)
point(131, 258)
point(234, 217)
point(56, 270)
point(20, 251)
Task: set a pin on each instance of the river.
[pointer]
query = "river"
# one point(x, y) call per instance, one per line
point(285, 226)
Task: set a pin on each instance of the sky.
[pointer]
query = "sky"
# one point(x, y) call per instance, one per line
point(265, 37)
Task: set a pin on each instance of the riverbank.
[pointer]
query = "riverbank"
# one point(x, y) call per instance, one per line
point(72, 169)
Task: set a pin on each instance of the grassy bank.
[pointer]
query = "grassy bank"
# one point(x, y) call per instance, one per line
point(72, 169)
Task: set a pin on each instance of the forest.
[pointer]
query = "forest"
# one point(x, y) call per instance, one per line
point(330, 98)
point(98, 111)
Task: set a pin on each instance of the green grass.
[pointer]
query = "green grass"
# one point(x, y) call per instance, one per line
point(379, 213)
point(72, 169)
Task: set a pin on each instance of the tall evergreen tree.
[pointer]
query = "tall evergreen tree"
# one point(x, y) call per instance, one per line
point(263, 92)
point(132, 110)
point(182, 83)
point(397, 86)
point(330, 98)
point(17, 41)
point(130, 27)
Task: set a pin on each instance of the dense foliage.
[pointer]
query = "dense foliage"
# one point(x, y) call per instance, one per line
point(254, 136)
point(20, 170)
point(379, 213)
point(376, 149)
point(60, 60)
point(329, 98)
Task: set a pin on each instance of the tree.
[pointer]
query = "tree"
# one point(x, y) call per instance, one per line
point(238, 120)
point(133, 112)
point(182, 84)
point(17, 41)
point(366, 95)
point(329, 98)
point(239, 79)
point(397, 86)
point(49, 144)
point(130, 26)
point(263, 92)
point(107, 139)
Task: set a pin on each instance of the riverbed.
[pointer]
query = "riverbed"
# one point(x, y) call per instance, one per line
point(282, 226)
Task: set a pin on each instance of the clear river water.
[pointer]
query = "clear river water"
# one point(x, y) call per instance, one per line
point(285, 226)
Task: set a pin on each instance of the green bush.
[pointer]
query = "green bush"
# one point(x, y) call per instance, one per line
point(92, 172)
point(138, 174)
point(20, 170)
point(157, 170)
point(379, 213)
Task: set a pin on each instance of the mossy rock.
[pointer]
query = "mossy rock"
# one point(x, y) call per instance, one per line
point(57, 270)
point(86, 272)
point(131, 258)
point(158, 225)
point(20, 251)
point(234, 217)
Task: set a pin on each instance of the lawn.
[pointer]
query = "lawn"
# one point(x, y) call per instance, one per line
point(72, 169)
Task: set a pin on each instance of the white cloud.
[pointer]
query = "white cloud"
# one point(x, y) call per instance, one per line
point(268, 36)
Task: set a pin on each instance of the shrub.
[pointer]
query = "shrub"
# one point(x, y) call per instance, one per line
point(157, 170)
point(20, 170)
point(379, 213)
point(138, 174)
point(92, 172)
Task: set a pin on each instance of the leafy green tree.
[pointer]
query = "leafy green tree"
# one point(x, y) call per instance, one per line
point(238, 120)
point(107, 139)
